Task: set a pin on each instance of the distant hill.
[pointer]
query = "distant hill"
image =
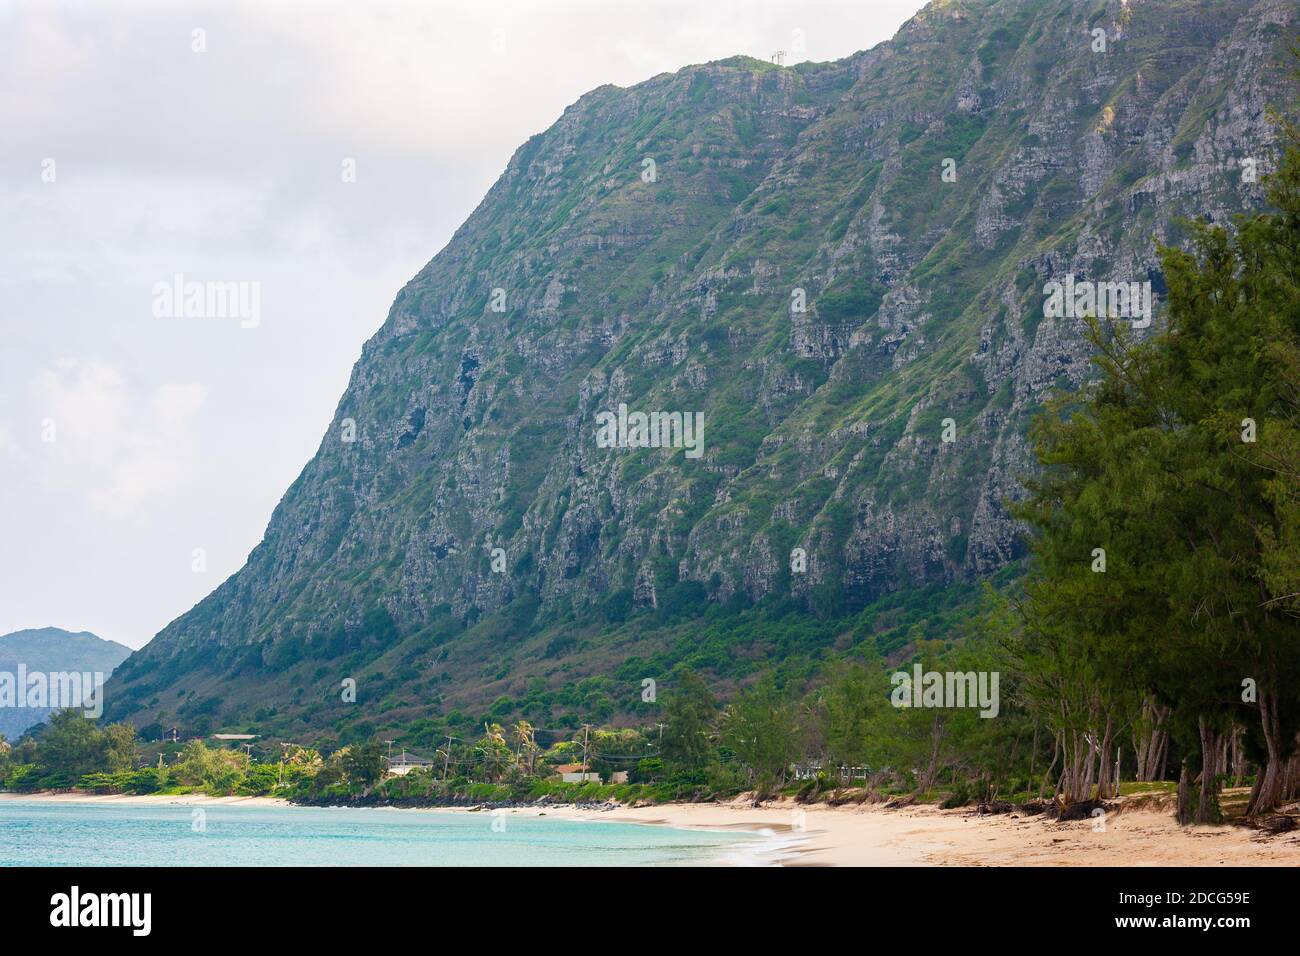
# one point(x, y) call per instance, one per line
point(51, 649)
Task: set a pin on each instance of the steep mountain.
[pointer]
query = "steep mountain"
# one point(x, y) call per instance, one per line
point(50, 650)
point(652, 250)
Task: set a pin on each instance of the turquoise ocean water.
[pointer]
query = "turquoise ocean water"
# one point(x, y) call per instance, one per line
point(37, 833)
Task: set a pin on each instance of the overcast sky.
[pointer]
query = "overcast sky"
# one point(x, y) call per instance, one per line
point(128, 156)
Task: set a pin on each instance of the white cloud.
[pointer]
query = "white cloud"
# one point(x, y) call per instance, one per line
point(9, 446)
point(174, 404)
point(85, 400)
point(114, 447)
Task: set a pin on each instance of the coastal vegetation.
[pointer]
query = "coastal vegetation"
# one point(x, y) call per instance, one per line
point(1162, 597)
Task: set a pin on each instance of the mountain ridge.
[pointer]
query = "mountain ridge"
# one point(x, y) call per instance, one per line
point(669, 286)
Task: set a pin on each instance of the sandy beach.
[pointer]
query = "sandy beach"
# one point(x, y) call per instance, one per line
point(927, 836)
point(870, 835)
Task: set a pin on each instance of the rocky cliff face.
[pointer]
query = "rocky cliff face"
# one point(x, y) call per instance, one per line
point(839, 265)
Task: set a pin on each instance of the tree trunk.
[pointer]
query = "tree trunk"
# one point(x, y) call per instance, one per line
point(1079, 767)
point(1184, 810)
point(1033, 756)
point(1150, 741)
point(1291, 786)
point(1142, 748)
point(1156, 768)
point(1047, 774)
point(1071, 769)
point(1267, 792)
point(1207, 807)
point(1104, 782)
point(1238, 755)
point(936, 740)
point(1084, 785)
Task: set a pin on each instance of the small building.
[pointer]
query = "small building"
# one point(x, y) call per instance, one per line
point(618, 776)
point(572, 773)
point(401, 766)
point(235, 736)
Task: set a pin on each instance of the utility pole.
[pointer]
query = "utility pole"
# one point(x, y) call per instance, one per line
point(586, 735)
point(447, 756)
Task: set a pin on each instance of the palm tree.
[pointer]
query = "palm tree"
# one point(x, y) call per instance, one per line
point(491, 746)
point(524, 734)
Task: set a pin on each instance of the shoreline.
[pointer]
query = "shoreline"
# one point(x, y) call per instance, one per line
point(143, 799)
point(870, 835)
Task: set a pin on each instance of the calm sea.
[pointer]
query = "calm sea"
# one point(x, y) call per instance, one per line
point(37, 833)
